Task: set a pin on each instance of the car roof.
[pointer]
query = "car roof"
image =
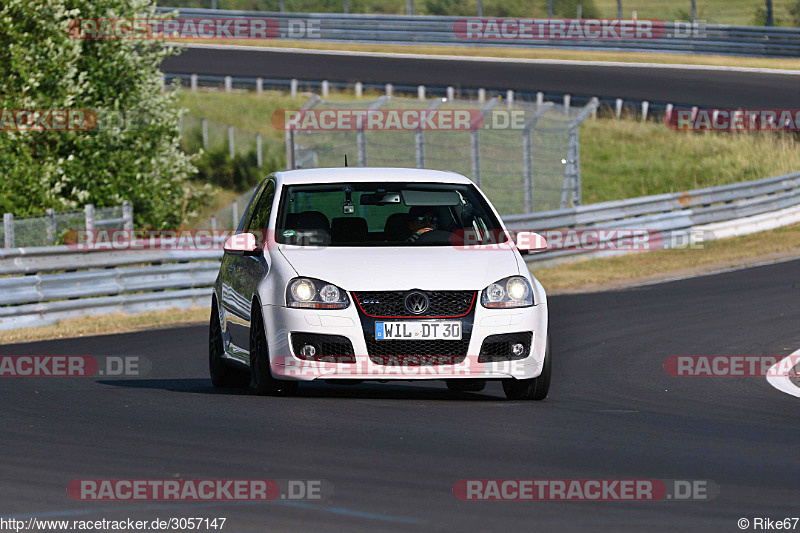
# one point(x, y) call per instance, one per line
point(366, 174)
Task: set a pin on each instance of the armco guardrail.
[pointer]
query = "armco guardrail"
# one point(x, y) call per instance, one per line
point(673, 215)
point(402, 29)
point(47, 284)
point(63, 283)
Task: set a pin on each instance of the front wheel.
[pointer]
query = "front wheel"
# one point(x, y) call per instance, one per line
point(534, 388)
point(263, 381)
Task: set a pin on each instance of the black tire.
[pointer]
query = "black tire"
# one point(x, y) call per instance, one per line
point(531, 389)
point(263, 381)
point(222, 374)
point(466, 385)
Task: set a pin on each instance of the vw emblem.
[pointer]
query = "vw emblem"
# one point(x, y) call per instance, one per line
point(416, 302)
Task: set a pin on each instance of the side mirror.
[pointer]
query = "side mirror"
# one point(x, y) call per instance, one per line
point(242, 244)
point(528, 241)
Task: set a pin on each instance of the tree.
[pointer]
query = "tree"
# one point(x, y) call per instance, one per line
point(133, 153)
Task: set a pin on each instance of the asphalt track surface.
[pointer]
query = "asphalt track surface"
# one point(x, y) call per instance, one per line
point(393, 451)
point(705, 88)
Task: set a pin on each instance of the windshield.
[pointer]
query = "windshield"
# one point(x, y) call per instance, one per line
point(384, 214)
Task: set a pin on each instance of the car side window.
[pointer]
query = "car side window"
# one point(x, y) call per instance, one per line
point(248, 214)
point(262, 209)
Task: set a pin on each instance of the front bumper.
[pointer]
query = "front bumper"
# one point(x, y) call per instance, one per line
point(280, 322)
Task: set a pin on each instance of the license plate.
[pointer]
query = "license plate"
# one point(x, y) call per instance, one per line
point(418, 331)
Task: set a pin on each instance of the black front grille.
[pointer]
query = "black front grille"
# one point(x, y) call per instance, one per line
point(328, 348)
point(498, 347)
point(386, 304)
point(417, 353)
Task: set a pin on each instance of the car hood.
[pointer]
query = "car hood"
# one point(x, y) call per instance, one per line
point(393, 268)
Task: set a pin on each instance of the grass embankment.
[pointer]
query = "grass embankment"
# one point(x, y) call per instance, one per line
point(619, 158)
point(740, 12)
point(106, 325)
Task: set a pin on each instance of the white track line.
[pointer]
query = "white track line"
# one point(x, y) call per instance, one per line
point(573, 62)
point(783, 383)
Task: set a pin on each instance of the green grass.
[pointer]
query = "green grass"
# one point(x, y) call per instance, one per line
point(738, 12)
point(619, 159)
point(244, 110)
point(717, 11)
point(628, 158)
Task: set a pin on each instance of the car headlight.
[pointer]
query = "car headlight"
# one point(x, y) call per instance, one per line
point(514, 291)
point(315, 294)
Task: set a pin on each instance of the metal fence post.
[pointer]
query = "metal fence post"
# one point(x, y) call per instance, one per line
point(475, 145)
point(567, 189)
point(645, 109)
point(577, 188)
point(361, 147)
point(259, 85)
point(361, 134)
point(420, 92)
point(231, 148)
point(389, 89)
point(481, 95)
point(567, 101)
point(291, 155)
point(572, 171)
point(527, 153)
point(451, 93)
point(228, 84)
point(193, 82)
point(8, 229)
point(326, 87)
point(235, 213)
point(509, 98)
point(259, 159)
point(127, 215)
point(290, 161)
point(527, 169)
point(204, 124)
point(293, 87)
point(475, 156)
point(618, 107)
point(358, 88)
point(50, 214)
point(419, 134)
point(88, 211)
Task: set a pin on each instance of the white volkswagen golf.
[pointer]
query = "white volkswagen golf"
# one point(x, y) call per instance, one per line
point(352, 274)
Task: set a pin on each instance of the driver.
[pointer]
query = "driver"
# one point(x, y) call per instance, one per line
point(422, 219)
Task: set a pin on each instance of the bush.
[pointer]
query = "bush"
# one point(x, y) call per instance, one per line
point(794, 14)
point(43, 67)
point(215, 167)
